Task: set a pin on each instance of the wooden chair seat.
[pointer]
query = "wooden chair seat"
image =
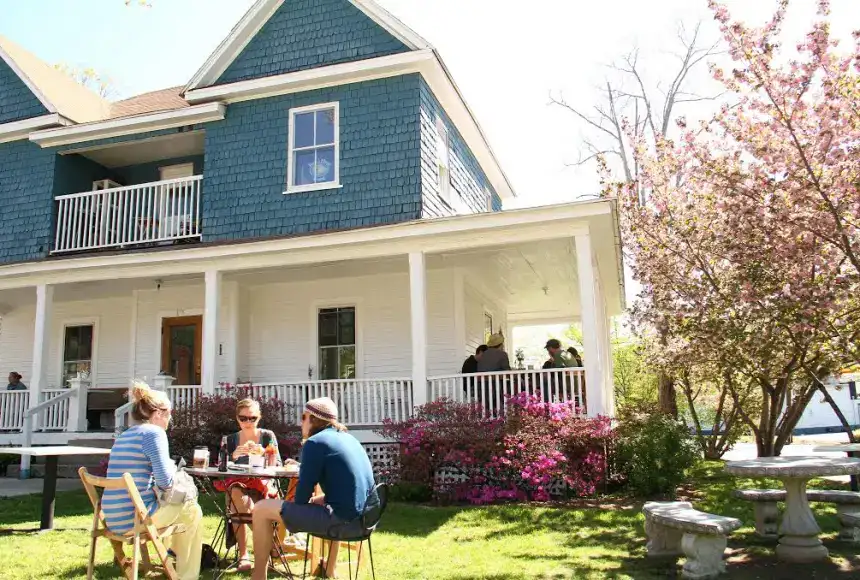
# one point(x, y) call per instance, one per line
point(144, 531)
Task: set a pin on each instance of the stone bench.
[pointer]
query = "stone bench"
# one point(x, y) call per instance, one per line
point(675, 528)
point(767, 514)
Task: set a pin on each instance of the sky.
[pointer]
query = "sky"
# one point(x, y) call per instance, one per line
point(507, 57)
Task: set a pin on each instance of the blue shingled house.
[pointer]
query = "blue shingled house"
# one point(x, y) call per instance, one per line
point(316, 211)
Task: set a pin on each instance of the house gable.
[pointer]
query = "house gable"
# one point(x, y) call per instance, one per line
point(17, 101)
point(304, 34)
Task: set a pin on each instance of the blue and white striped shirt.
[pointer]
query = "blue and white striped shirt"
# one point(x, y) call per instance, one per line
point(141, 451)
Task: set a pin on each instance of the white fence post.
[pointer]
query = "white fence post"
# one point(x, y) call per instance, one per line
point(162, 382)
point(77, 422)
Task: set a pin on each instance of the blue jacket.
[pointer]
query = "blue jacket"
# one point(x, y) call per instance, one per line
point(338, 463)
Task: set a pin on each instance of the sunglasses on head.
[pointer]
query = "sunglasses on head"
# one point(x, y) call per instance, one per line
point(246, 419)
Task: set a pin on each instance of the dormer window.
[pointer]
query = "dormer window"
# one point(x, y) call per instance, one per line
point(314, 148)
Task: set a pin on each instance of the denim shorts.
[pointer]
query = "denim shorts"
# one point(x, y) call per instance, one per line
point(318, 520)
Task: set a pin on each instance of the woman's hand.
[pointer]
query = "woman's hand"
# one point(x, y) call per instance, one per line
point(318, 500)
point(241, 450)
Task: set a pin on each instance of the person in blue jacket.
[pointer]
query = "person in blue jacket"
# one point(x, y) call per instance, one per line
point(332, 459)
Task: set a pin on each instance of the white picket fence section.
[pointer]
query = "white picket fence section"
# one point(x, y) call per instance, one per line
point(492, 389)
point(54, 417)
point(360, 401)
point(13, 405)
point(159, 211)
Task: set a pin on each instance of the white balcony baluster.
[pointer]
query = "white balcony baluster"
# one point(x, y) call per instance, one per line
point(156, 212)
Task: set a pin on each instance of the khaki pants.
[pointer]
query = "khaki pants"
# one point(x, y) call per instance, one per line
point(189, 544)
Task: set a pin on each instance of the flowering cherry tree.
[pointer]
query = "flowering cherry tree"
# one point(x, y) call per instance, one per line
point(747, 246)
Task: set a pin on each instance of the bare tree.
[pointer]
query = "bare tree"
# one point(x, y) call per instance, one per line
point(88, 77)
point(628, 111)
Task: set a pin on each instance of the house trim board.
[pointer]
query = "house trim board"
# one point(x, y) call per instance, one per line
point(84, 132)
point(438, 235)
point(259, 14)
point(19, 130)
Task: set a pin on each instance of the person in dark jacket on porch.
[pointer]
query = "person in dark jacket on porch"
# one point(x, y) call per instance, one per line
point(15, 383)
point(471, 364)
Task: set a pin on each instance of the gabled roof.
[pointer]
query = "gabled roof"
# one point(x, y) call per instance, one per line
point(260, 13)
point(56, 91)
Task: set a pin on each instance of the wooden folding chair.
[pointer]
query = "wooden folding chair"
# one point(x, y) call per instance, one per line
point(144, 530)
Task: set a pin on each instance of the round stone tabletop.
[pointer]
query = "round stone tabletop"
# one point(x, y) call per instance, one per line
point(800, 466)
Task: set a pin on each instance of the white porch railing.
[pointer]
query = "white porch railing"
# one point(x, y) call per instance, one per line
point(183, 396)
point(55, 417)
point(13, 405)
point(491, 389)
point(160, 211)
point(360, 401)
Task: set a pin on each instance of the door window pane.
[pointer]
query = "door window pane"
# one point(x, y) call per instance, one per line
point(336, 332)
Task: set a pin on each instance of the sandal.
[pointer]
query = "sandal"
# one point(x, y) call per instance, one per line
point(245, 564)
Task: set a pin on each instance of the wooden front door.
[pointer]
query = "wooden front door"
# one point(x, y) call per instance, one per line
point(181, 340)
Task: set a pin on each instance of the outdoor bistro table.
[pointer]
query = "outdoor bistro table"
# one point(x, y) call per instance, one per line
point(852, 449)
point(49, 485)
point(798, 530)
point(210, 474)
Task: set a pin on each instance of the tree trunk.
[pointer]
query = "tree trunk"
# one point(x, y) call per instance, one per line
point(667, 399)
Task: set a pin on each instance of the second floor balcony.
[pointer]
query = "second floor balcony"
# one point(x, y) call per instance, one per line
point(147, 214)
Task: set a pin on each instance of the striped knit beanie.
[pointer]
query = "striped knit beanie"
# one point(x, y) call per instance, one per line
point(323, 408)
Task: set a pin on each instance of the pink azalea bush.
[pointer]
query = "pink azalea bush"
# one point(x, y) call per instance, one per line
point(537, 451)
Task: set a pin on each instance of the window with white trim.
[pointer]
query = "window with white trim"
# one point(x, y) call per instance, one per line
point(488, 326)
point(314, 148)
point(336, 340)
point(77, 351)
point(489, 196)
point(443, 160)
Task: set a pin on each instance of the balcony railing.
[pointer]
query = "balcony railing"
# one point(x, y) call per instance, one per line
point(149, 213)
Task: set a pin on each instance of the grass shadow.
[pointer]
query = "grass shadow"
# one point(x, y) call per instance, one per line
point(27, 509)
point(416, 520)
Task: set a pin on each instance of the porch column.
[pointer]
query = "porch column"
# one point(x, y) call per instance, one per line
point(212, 302)
point(41, 349)
point(595, 383)
point(604, 336)
point(418, 302)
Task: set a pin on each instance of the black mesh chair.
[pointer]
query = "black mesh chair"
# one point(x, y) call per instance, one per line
point(374, 507)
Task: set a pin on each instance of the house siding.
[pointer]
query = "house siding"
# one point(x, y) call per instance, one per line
point(17, 102)
point(305, 34)
point(468, 180)
point(246, 164)
point(26, 184)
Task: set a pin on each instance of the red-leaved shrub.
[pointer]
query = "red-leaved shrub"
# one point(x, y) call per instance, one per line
point(204, 423)
point(536, 451)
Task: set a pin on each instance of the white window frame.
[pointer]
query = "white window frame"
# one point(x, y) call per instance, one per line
point(489, 195)
point(178, 171)
point(61, 355)
point(335, 184)
point(346, 302)
point(443, 162)
point(488, 315)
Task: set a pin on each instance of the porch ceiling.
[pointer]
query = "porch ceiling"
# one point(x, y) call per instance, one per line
point(145, 150)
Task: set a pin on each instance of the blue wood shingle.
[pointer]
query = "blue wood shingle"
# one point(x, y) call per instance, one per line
point(305, 34)
point(246, 164)
point(17, 102)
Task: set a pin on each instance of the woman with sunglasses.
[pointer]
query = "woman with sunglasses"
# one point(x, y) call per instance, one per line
point(244, 492)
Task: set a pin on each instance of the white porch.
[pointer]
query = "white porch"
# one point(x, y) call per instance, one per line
point(420, 296)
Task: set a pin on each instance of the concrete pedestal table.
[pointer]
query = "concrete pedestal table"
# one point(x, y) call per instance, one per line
point(798, 531)
point(49, 485)
point(852, 449)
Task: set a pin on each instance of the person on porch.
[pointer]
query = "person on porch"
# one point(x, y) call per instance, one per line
point(471, 364)
point(557, 356)
point(495, 359)
point(244, 492)
point(334, 460)
point(15, 383)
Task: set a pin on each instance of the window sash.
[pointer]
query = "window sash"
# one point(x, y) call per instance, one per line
point(341, 347)
point(293, 170)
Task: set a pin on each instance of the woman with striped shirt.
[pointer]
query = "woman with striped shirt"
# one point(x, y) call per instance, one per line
point(142, 451)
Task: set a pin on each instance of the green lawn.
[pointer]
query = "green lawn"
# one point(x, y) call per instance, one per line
point(594, 539)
